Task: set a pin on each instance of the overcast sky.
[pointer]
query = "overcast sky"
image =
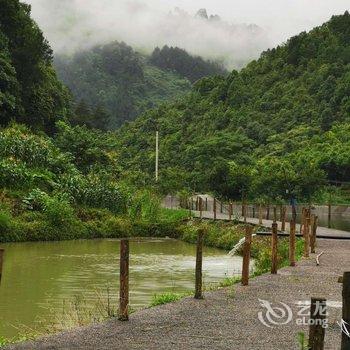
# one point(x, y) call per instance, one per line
point(72, 24)
point(300, 14)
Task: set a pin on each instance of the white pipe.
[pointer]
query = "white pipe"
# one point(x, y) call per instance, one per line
point(238, 245)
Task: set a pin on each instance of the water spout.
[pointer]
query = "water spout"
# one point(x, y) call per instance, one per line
point(238, 245)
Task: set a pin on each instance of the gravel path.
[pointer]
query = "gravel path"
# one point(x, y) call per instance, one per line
point(225, 319)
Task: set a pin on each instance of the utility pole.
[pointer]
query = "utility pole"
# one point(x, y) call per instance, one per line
point(157, 154)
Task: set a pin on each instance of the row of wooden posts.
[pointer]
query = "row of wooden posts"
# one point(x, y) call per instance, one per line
point(316, 329)
point(202, 205)
point(316, 332)
point(318, 305)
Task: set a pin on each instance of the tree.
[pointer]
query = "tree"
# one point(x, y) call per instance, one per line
point(100, 118)
point(82, 114)
point(43, 99)
point(10, 104)
point(180, 61)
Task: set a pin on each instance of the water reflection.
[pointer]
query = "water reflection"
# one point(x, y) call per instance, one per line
point(39, 277)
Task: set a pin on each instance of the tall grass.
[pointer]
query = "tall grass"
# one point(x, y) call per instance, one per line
point(165, 298)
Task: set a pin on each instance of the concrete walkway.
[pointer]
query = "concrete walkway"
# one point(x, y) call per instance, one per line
point(228, 318)
point(322, 232)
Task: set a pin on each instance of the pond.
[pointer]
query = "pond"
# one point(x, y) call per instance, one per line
point(39, 278)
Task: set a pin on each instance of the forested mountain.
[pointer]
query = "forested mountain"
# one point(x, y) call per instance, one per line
point(29, 90)
point(64, 183)
point(125, 83)
point(181, 62)
point(280, 125)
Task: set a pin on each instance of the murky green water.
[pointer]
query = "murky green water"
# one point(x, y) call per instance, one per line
point(38, 278)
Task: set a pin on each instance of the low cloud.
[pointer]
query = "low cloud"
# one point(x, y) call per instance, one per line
point(75, 24)
point(71, 25)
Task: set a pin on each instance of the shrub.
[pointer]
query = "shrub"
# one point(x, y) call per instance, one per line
point(117, 227)
point(5, 221)
point(58, 211)
point(144, 205)
point(93, 191)
point(14, 174)
point(165, 298)
point(17, 142)
point(35, 200)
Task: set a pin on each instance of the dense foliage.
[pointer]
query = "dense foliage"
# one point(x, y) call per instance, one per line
point(116, 80)
point(181, 62)
point(280, 125)
point(57, 181)
point(29, 89)
point(70, 186)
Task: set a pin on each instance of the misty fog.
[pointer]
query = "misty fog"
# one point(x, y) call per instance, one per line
point(242, 31)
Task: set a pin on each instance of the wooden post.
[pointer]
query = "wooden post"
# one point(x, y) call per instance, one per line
point(246, 255)
point(206, 203)
point(345, 341)
point(313, 223)
point(274, 256)
point(2, 252)
point(307, 237)
point(281, 212)
point(268, 212)
point(317, 331)
point(283, 218)
point(274, 214)
point(329, 215)
point(230, 211)
point(221, 207)
point(294, 212)
point(124, 281)
point(200, 207)
point(260, 215)
point(245, 212)
point(292, 243)
point(214, 208)
point(302, 220)
point(199, 261)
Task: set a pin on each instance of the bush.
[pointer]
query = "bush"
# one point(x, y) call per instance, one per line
point(161, 299)
point(117, 227)
point(18, 142)
point(5, 221)
point(93, 191)
point(58, 211)
point(14, 174)
point(219, 235)
point(145, 205)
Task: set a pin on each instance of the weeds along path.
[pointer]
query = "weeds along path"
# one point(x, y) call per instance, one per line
point(225, 319)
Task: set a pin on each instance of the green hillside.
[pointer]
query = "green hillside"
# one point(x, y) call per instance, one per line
point(281, 124)
point(29, 90)
point(124, 82)
point(180, 61)
point(58, 181)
